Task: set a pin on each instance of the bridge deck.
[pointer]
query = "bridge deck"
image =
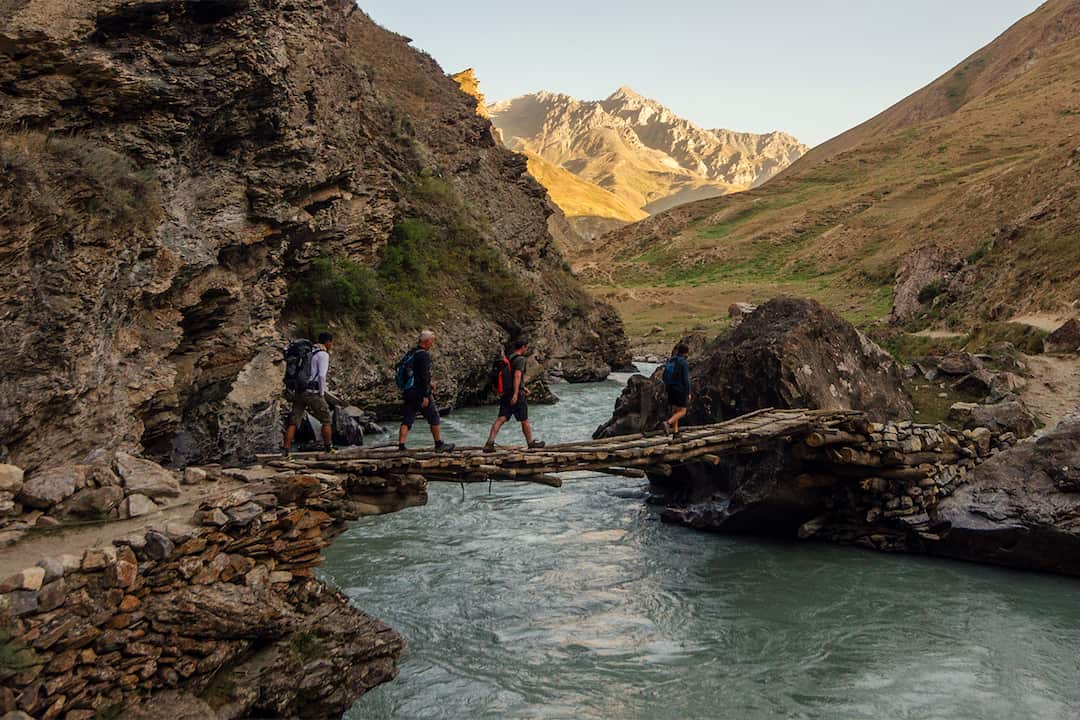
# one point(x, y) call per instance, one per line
point(623, 455)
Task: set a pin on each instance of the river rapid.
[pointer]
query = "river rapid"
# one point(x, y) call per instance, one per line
point(533, 602)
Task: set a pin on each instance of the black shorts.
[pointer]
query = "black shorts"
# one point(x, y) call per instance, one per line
point(677, 397)
point(520, 411)
point(413, 405)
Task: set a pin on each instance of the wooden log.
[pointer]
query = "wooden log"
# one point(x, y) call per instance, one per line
point(819, 438)
point(623, 472)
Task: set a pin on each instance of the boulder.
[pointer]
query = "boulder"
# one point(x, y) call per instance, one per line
point(137, 506)
point(145, 477)
point(49, 487)
point(958, 363)
point(789, 353)
point(1019, 507)
point(976, 383)
point(93, 502)
point(1066, 339)
point(11, 479)
point(737, 312)
point(1012, 416)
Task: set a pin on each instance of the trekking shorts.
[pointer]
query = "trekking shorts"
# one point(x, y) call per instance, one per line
point(415, 404)
point(678, 397)
point(309, 402)
point(519, 411)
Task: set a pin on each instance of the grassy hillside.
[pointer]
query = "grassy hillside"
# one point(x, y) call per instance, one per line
point(956, 206)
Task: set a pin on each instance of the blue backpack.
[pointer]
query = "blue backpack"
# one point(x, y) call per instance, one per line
point(404, 375)
point(671, 371)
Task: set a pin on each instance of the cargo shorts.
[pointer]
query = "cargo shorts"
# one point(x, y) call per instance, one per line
point(309, 402)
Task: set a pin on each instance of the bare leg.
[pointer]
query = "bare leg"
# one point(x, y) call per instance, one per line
point(290, 435)
point(526, 429)
point(436, 433)
point(678, 415)
point(495, 427)
point(403, 432)
point(327, 435)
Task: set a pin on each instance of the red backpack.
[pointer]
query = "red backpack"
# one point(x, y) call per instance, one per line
point(501, 377)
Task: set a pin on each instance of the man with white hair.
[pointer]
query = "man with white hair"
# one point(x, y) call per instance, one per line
point(417, 389)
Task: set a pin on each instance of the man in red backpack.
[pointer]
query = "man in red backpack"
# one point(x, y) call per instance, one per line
point(512, 401)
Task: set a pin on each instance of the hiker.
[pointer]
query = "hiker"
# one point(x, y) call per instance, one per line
point(306, 366)
point(417, 389)
point(677, 381)
point(511, 381)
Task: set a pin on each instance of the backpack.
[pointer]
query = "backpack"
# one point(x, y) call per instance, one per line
point(298, 365)
point(501, 376)
point(671, 371)
point(404, 373)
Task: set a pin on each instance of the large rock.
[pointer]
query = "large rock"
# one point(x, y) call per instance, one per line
point(144, 477)
point(789, 353)
point(1020, 506)
point(11, 479)
point(93, 502)
point(49, 487)
point(1066, 339)
point(1012, 416)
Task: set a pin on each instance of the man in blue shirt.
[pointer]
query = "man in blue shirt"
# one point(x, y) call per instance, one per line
point(677, 381)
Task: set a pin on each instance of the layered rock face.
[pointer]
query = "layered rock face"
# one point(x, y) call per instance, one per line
point(788, 353)
point(170, 167)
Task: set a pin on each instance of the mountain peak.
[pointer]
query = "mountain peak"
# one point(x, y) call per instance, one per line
point(626, 93)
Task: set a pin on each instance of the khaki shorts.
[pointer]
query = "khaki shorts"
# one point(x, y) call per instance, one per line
point(311, 402)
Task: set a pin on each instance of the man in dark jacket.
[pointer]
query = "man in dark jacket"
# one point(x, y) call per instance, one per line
point(513, 403)
point(420, 398)
point(677, 382)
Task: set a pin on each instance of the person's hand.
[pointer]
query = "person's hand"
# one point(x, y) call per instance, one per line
point(514, 399)
point(426, 402)
point(433, 385)
point(690, 397)
point(526, 391)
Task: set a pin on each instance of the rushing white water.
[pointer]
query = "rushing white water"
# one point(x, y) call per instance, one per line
point(532, 602)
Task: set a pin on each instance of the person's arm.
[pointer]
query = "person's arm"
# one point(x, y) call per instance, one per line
point(422, 372)
point(517, 386)
point(322, 365)
point(686, 374)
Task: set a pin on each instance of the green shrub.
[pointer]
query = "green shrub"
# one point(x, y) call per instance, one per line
point(931, 290)
point(333, 288)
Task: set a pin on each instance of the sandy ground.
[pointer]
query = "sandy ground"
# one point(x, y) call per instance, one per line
point(1053, 390)
point(1044, 321)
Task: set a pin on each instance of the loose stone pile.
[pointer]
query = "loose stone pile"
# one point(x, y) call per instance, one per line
point(108, 486)
point(189, 606)
point(906, 470)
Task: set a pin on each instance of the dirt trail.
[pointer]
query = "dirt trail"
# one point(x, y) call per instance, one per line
point(1054, 387)
point(75, 539)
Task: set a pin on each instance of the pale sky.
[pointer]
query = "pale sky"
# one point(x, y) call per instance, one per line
point(811, 67)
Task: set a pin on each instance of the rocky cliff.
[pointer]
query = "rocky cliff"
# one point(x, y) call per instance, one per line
point(636, 154)
point(185, 184)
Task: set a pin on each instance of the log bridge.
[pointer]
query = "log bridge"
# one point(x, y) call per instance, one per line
point(833, 443)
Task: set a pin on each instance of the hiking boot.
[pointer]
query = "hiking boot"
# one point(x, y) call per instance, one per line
point(537, 444)
point(444, 447)
point(667, 429)
point(401, 447)
point(489, 448)
point(286, 453)
point(329, 449)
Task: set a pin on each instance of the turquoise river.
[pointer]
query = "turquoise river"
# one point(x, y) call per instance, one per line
point(533, 602)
